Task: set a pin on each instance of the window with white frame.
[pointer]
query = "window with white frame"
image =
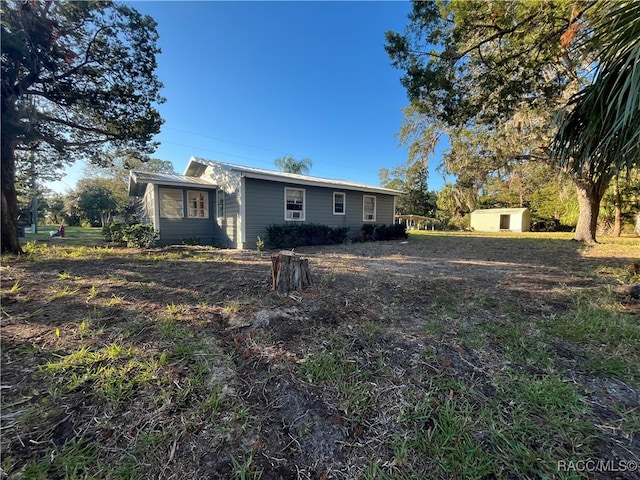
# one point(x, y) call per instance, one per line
point(368, 208)
point(294, 204)
point(171, 203)
point(198, 204)
point(339, 203)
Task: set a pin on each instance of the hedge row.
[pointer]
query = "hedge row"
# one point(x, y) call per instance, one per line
point(307, 234)
point(290, 235)
point(300, 234)
point(134, 235)
point(372, 233)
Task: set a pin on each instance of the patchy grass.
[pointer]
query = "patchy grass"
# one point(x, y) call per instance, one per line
point(451, 356)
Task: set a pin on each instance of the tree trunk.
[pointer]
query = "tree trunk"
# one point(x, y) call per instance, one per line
point(9, 222)
point(617, 202)
point(590, 194)
point(588, 216)
point(289, 272)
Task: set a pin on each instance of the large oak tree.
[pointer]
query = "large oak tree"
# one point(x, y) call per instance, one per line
point(78, 81)
point(412, 177)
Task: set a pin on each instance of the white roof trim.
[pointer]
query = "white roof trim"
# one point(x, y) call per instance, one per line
point(488, 211)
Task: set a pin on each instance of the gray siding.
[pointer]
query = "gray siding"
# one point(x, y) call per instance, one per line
point(265, 206)
point(386, 214)
point(182, 230)
point(229, 223)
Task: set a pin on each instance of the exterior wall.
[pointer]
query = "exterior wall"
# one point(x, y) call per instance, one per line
point(230, 188)
point(182, 230)
point(148, 206)
point(526, 221)
point(353, 209)
point(265, 205)
point(229, 223)
point(485, 222)
point(385, 210)
point(519, 220)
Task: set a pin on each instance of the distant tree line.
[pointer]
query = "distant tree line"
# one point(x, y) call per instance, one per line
point(99, 198)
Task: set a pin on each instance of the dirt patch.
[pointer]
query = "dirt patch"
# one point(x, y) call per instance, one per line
point(320, 384)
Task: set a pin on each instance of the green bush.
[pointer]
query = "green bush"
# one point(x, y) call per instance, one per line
point(541, 224)
point(292, 235)
point(459, 223)
point(133, 235)
point(113, 231)
point(372, 233)
point(192, 240)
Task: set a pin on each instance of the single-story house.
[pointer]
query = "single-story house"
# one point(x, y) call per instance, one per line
point(217, 203)
point(501, 219)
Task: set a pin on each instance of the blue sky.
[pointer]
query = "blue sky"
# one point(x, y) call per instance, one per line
point(249, 82)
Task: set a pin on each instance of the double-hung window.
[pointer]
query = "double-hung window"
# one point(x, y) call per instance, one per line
point(171, 203)
point(368, 208)
point(294, 204)
point(198, 204)
point(339, 203)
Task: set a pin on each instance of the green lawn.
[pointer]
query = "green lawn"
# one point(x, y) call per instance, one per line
point(445, 356)
point(73, 236)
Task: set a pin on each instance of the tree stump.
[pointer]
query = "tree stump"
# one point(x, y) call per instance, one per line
point(632, 291)
point(289, 271)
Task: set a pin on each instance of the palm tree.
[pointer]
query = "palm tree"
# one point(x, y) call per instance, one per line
point(599, 131)
point(291, 165)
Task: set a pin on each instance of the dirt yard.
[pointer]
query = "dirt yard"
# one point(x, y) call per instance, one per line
point(443, 356)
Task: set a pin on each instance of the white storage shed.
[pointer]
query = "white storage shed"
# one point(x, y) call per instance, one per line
point(501, 219)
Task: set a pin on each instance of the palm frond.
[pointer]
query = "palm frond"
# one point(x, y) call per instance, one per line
point(600, 127)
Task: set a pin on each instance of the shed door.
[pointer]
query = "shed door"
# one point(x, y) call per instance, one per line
point(505, 222)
